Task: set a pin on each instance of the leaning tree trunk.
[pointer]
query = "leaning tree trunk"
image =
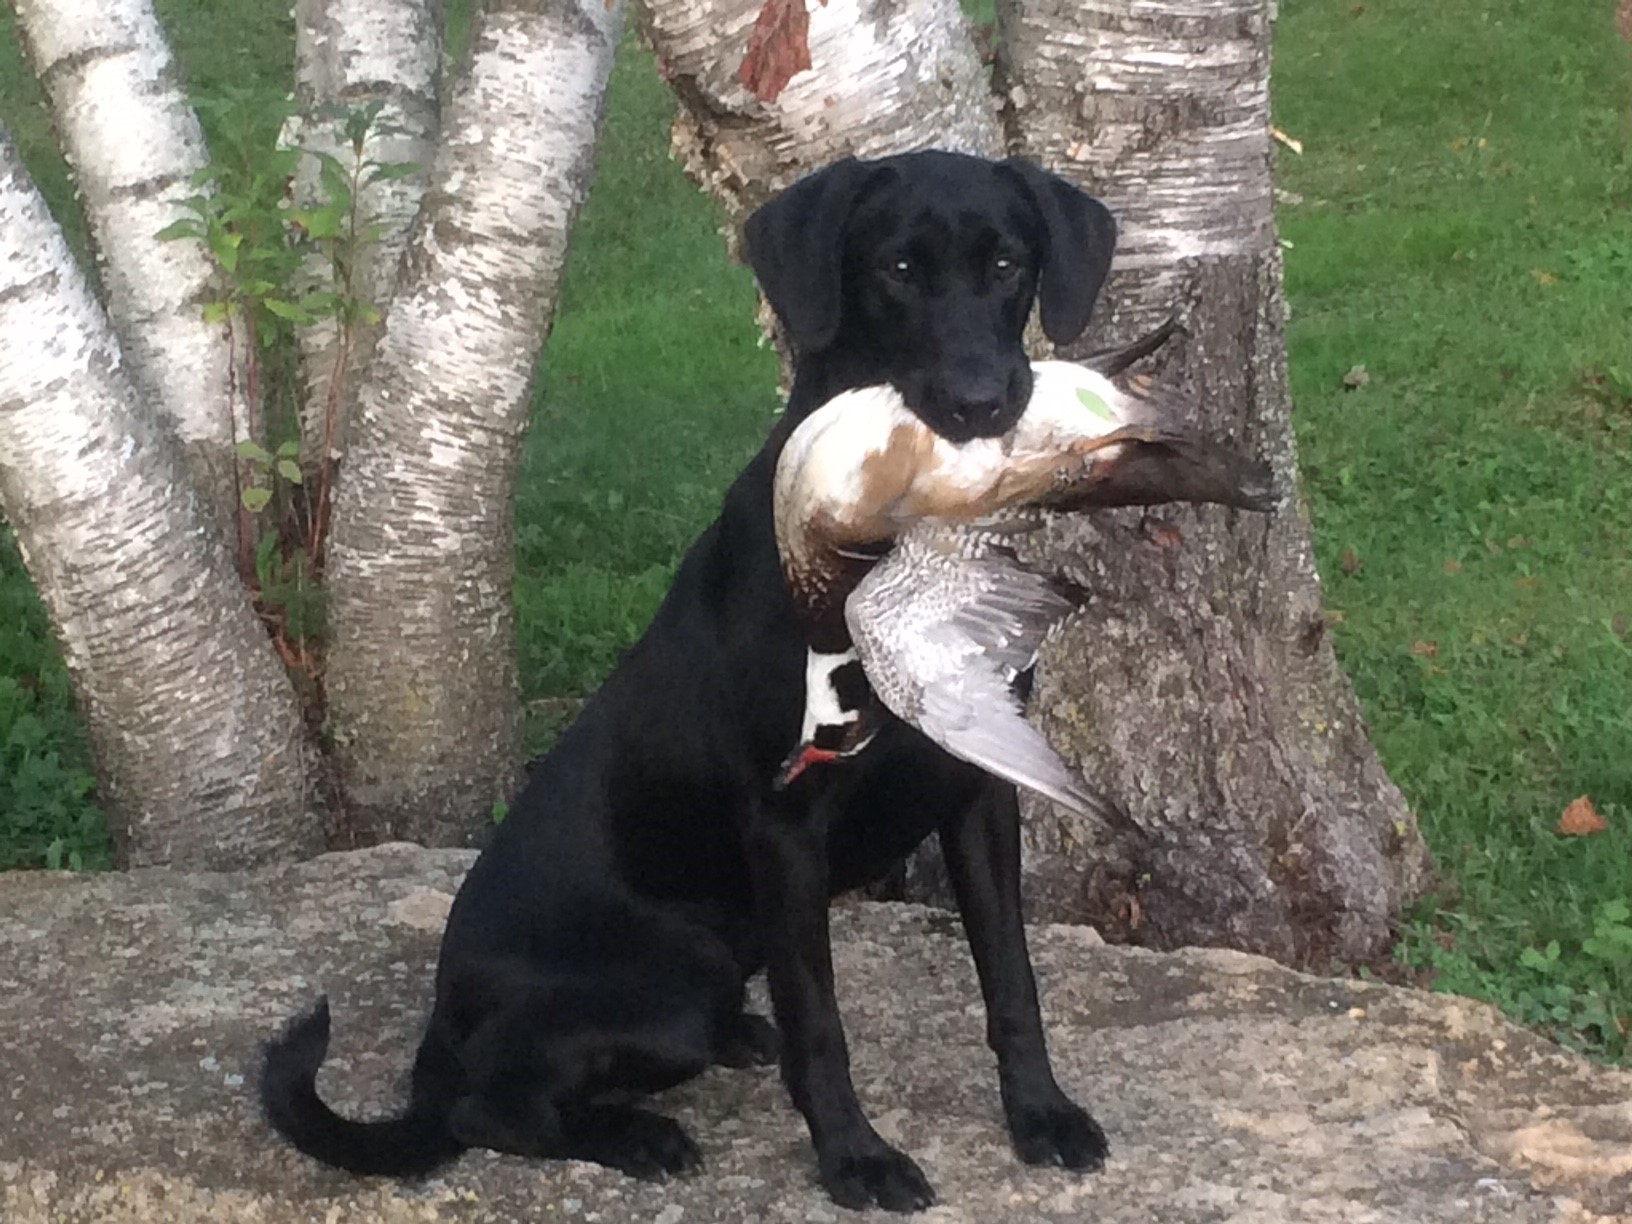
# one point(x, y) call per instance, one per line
point(421, 677)
point(135, 145)
point(1199, 690)
point(352, 54)
point(198, 741)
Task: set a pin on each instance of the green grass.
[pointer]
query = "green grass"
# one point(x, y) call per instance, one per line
point(1460, 225)
point(655, 391)
point(1465, 234)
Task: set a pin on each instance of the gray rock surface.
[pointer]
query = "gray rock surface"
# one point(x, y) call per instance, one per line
point(1234, 1091)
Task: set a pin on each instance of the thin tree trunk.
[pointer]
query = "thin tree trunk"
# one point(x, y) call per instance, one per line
point(421, 674)
point(886, 76)
point(1199, 690)
point(135, 144)
point(350, 54)
point(198, 740)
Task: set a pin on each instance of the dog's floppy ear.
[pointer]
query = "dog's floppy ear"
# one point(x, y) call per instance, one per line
point(795, 245)
point(1079, 239)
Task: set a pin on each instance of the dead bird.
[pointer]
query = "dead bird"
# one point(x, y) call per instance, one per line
point(895, 546)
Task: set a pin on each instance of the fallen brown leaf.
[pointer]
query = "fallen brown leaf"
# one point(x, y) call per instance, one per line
point(1426, 650)
point(1281, 137)
point(1581, 819)
point(1356, 378)
point(1452, 565)
point(1350, 562)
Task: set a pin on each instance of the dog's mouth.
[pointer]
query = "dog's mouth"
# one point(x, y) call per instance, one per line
point(972, 408)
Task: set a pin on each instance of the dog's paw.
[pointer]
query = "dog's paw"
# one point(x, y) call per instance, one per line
point(750, 1041)
point(876, 1176)
point(634, 1141)
point(1058, 1133)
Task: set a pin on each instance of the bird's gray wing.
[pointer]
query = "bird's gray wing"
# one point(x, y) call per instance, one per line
point(1006, 610)
point(941, 637)
point(979, 721)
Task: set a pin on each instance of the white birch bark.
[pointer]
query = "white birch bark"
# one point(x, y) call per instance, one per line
point(134, 144)
point(1198, 689)
point(886, 76)
point(198, 740)
point(349, 53)
point(1160, 108)
point(421, 676)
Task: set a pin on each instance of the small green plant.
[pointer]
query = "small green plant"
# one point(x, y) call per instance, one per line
point(1579, 992)
point(264, 248)
point(48, 804)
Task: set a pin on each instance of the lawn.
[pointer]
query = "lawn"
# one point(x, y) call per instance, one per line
point(1459, 225)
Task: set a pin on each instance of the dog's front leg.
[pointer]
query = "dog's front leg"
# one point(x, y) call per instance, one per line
point(788, 855)
point(981, 843)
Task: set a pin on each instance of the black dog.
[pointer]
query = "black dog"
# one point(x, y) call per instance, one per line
point(598, 948)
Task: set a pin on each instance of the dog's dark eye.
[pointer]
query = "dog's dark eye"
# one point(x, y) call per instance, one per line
point(1005, 266)
point(899, 270)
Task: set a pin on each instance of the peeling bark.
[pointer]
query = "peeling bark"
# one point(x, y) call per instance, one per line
point(194, 725)
point(134, 145)
point(1199, 690)
point(422, 686)
point(350, 53)
point(886, 76)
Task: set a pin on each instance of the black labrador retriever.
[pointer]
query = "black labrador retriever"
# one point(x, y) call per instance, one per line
point(599, 946)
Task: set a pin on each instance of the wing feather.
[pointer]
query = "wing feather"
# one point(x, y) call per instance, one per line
point(941, 637)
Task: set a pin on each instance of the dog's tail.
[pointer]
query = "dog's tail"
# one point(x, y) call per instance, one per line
point(411, 1145)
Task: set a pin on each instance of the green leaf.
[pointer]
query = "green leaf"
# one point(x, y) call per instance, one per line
point(217, 312)
point(253, 451)
point(387, 171)
point(185, 228)
point(336, 180)
point(286, 310)
point(1096, 405)
point(255, 498)
point(266, 556)
point(325, 222)
point(289, 449)
point(320, 305)
point(224, 246)
point(289, 470)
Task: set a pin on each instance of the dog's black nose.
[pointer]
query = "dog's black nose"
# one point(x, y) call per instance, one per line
point(982, 415)
point(985, 404)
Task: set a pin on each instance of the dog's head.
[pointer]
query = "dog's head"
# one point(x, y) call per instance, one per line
point(920, 271)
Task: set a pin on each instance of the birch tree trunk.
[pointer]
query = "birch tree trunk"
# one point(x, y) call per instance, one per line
point(134, 145)
point(198, 740)
point(421, 675)
point(886, 76)
point(1199, 690)
point(349, 54)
